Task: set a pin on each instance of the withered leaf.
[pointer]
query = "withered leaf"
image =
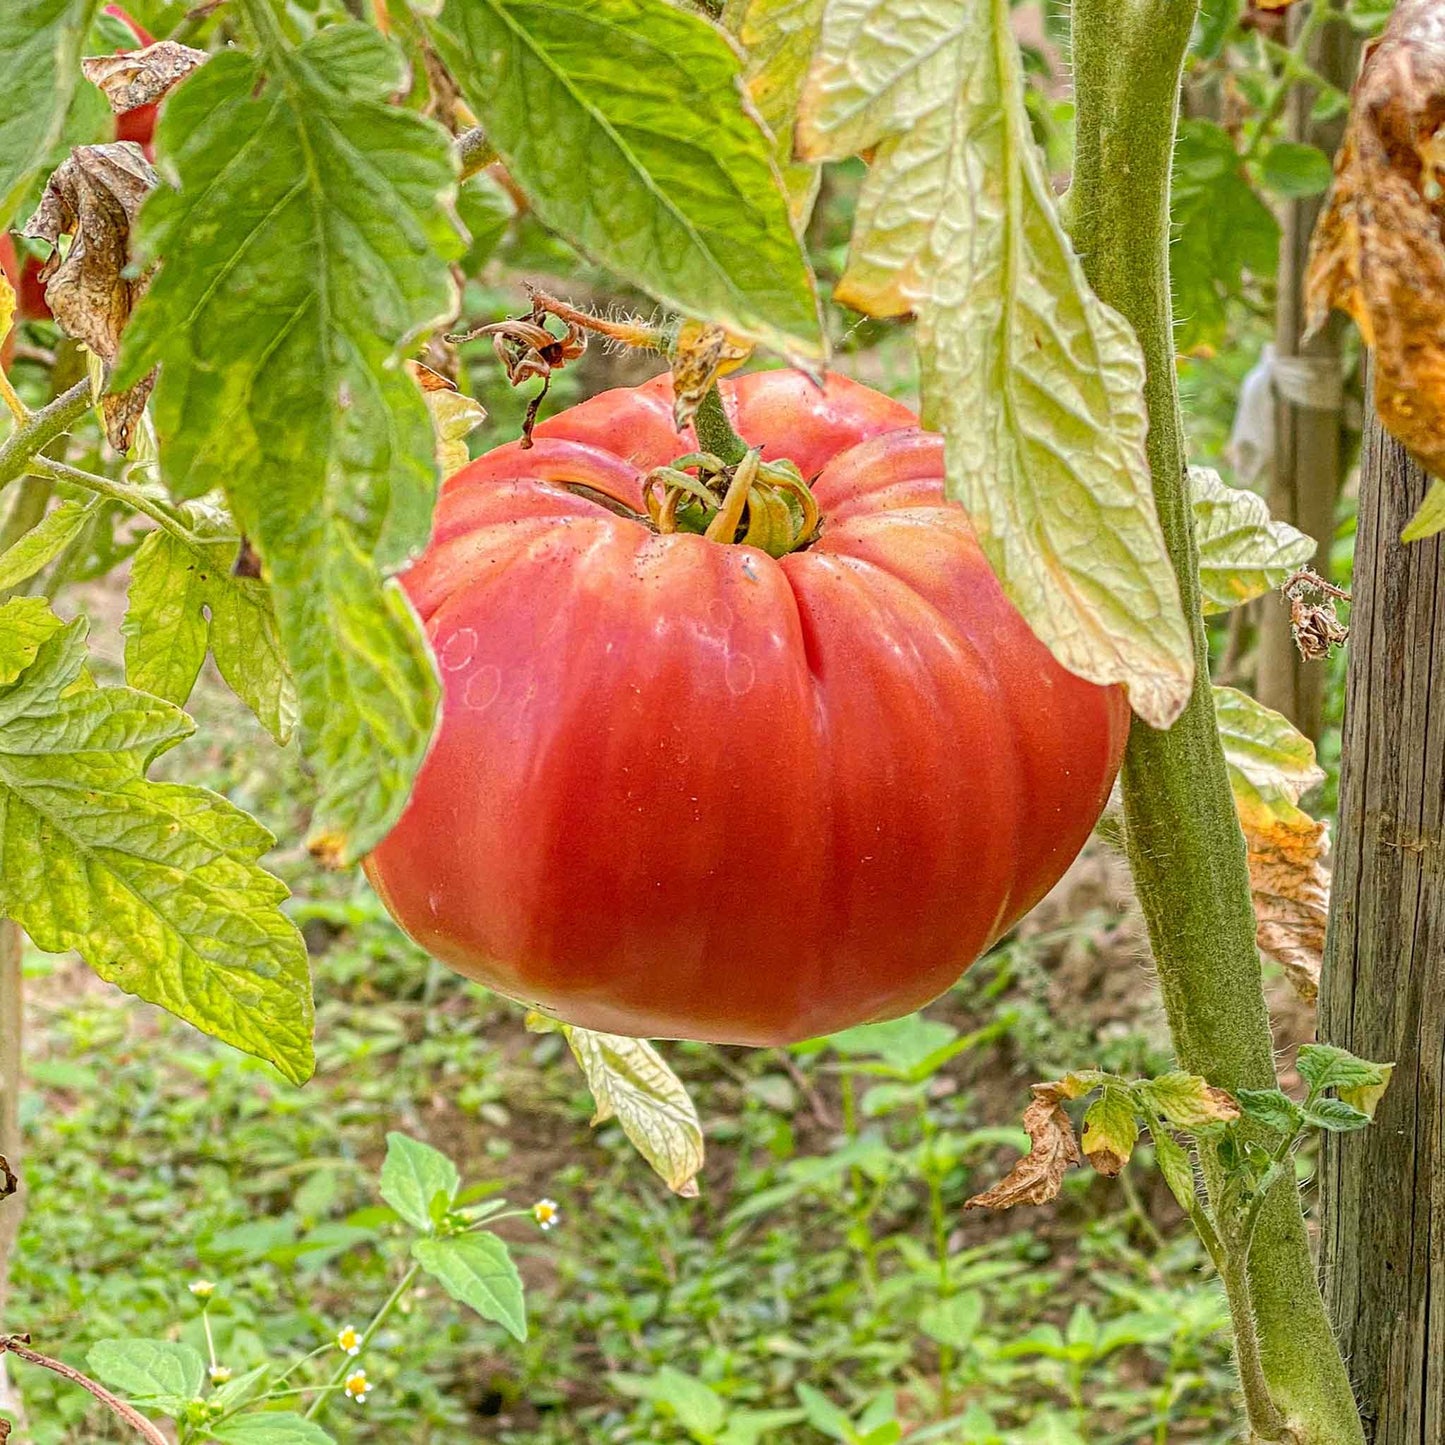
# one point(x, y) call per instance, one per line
point(1378, 251)
point(1291, 889)
point(700, 355)
point(453, 416)
point(1053, 1149)
point(141, 77)
point(94, 197)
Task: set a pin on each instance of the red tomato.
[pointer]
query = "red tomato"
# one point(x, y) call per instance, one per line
point(681, 789)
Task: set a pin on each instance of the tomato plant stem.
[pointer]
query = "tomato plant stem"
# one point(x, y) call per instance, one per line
point(43, 427)
point(715, 432)
point(1185, 847)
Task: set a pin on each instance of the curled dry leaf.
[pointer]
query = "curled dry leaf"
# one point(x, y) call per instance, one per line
point(140, 77)
point(1313, 622)
point(454, 416)
point(1378, 251)
point(700, 355)
point(1271, 766)
point(1053, 1149)
point(94, 197)
point(9, 1180)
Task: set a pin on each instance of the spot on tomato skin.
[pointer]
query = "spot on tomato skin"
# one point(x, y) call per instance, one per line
point(740, 674)
point(482, 688)
point(458, 649)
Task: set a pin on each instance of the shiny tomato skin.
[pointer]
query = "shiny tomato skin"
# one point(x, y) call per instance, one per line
point(684, 790)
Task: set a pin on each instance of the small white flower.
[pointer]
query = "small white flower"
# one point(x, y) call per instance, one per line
point(546, 1213)
point(202, 1288)
point(357, 1385)
point(220, 1374)
point(348, 1340)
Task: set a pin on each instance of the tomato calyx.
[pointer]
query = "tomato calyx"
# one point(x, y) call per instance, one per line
point(761, 504)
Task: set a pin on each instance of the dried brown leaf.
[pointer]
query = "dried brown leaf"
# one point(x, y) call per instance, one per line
point(1378, 251)
point(700, 355)
point(94, 197)
point(1291, 888)
point(141, 77)
point(1053, 1149)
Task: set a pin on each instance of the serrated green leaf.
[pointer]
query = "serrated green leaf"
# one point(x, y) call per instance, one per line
point(1223, 233)
point(45, 541)
point(1036, 385)
point(1186, 1100)
point(1334, 1115)
point(1430, 516)
point(304, 243)
point(1327, 1066)
point(40, 45)
point(1243, 551)
point(623, 123)
point(953, 1321)
point(631, 1083)
point(1271, 1107)
point(413, 1175)
point(155, 885)
point(25, 623)
point(779, 37)
point(1176, 1167)
point(1111, 1130)
point(271, 1429)
point(160, 1372)
point(1291, 169)
point(1271, 764)
point(184, 600)
point(477, 1270)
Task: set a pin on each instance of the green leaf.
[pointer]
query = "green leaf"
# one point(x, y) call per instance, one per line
point(1110, 1130)
point(779, 37)
point(1430, 518)
point(696, 1404)
point(1036, 385)
point(477, 1270)
point(631, 1083)
point(1223, 234)
point(486, 210)
point(1334, 1115)
point(155, 885)
point(271, 1429)
point(623, 123)
point(1243, 551)
point(1176, 1167)
point(414, 1176)
point(1366, 1096)
point(158, 1372)
point(303, 248)
point(748, 1427)
point(1271, 1107)
point(1326, 1066)
point(28, 621)
point(1271, 764)
point(1186, 1101)
point(242, 1389)
point(40, 44)
point(824, 1416)
point(184, 599)
point(44, 542)
point(901, 1044)
point(1291, 170)
point(953, 1321)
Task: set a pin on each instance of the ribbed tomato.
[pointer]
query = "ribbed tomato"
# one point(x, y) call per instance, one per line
point(681, 789)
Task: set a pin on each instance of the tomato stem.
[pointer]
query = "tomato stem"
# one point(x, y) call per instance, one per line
point(715, 432)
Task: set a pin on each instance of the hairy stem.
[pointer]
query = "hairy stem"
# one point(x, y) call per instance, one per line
point(715, 432)
point(1185, 847)
point(122, 492)
point(43, 427)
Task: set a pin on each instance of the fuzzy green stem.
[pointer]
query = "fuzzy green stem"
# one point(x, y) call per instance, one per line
point(122, 492)
point(1185, 847)
point(715, 432)
point(42, 429)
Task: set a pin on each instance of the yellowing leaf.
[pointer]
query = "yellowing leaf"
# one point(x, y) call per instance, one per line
point(1187, 1101)
point(1111, 1129)
point(453, 416)
point(779, 37)
point(7, 306)
point(1430, 518)
point(1243, 551)
point(632, 1084)
point(1271, 766)
point(1378, 251)
point(1053, 1149)
point(1036, 385)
